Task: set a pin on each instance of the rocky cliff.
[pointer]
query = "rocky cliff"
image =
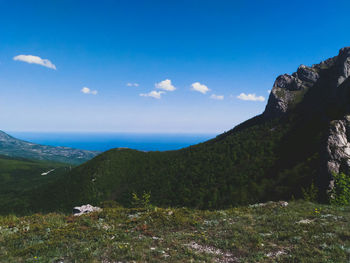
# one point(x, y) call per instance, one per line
point(337, 154)
point(320, 91)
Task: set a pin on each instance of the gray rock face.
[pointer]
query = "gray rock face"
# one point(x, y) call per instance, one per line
point(285, 90)
point(338, 147)
point(343, 65)
point(288, 90)
point(329, 86)
point(287, 82)
point(307, 74)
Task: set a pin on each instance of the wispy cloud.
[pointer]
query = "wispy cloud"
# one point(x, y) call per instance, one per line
point(250, 97)
point(217, 97)
point(165, 85)
point(200, 88)
point(35, 60)
point(86, 90)
point(153, 94)
point(132, 84)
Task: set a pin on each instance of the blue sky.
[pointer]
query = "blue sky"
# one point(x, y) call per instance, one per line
point(228, 47)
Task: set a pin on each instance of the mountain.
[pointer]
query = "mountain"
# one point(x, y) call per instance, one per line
point(18, 178)
point(13, 147)
point(300, 139)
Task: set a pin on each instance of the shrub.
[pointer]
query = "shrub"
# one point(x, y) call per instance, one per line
point(340, 194)
point(142, 202)
point(310, 194)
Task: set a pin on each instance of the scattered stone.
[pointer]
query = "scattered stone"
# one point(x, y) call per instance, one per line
point(170, 212)
point(265, 234)
point(165, 255)
point(226, 257)
point(276, 254)
point(270, 204)
point(327, 215)
point(305, 221)
point(283, 203)
point(134, 216)
point(85, 209)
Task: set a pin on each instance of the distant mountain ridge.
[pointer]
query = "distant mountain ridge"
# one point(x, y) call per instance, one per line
point(14, 147)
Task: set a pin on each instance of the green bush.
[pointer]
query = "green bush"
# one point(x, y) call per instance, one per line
point(310, 194)
point(340, 194)
point(142, 202)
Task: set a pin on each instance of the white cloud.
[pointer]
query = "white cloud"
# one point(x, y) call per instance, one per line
point(251, 97)
point(35, 60)
point(153, 94)
point(269, 91)
point(217, 97)
point(200, 87)
point(132, 84)
point(165, 85)
point(86, 90)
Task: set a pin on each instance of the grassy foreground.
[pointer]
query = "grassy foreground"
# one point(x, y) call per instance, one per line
point(300, 232)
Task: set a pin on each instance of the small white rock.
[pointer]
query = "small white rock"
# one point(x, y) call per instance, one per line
point(85, 209)
point(305, 221)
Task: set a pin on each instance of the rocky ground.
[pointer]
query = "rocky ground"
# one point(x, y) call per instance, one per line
point(273, 232)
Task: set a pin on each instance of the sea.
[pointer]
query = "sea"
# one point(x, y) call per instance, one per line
point(106, 141)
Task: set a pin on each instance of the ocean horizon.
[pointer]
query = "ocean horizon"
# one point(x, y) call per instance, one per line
point(103, 141)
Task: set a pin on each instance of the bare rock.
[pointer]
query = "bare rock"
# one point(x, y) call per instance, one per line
point(282, 95)
point(343, 65)
point(338, 147)
point(306, 221)
point(85, 209)
point(288, 90)
point(307, 74)
point(270, 204)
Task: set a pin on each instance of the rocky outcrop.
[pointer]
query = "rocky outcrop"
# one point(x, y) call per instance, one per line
point(287, 88)
point(343, 65)
point(328, 87)
point(338, 147)
point(307, 74)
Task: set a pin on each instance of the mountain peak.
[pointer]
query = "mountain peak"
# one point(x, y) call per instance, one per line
point(289, 90)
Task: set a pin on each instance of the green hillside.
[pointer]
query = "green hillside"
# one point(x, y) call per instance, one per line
point(257, 161)
point(18, 178)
